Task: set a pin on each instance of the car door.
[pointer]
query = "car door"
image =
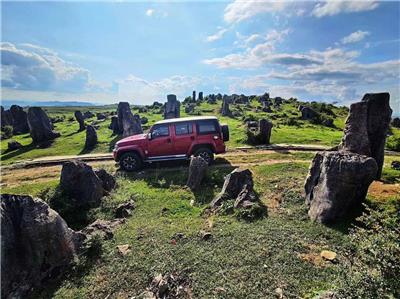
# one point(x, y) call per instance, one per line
point(183, 137)
point(160, 143)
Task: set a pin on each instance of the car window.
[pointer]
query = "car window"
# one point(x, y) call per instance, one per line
point(160, 131)
point(207, 127)
point(183, 128)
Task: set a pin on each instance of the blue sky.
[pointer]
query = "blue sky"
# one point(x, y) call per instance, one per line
point(139, 52)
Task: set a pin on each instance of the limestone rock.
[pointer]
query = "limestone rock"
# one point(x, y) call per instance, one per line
point(88, 114)
point(80, 119)
point(396, 165)
point(40, 127)
point(238, 185)
point(79, 181)
point(91, 137)
point(114, 125)
point(128, 123)
point(6, 118)
point(308, 114)
point(125, 210)
point(171, 107)
point(225, 111)
point(36, 243)
point(104, 228)
point(336, 183)
point(101, 116)
point(200, 96)
point(20, 120)
point(197, 170)
point(108, 180)
point(367, 126)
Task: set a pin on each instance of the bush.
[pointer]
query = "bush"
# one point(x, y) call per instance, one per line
point(374, 261)
point(290, 121)
point(393, 143)
point(6, 132)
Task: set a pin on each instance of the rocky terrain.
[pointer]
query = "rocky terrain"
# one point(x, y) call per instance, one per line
point(258, 223)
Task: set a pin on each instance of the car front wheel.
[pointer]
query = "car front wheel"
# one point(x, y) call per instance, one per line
point(206, 154)
point(130, 162)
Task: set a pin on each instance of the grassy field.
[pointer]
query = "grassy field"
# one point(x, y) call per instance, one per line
point(278, 253)
point(72, 142)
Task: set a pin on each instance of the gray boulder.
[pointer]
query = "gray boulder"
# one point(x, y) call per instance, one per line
point(265, 128)
point(308, 114)
point(80, 182)
point(104, 228)
point(80, 119)
point(238, 185)
point(40, 127)
point(197, 170)
point(337, 182)
point(36, 244)
point(108, 180)
point(367, 126)
point(189, 108)
point(6, 118)
point(172, 107)
point(101, 116)
point(124, 210)
point(88, 114)
point(114, 125)
point(144, 120)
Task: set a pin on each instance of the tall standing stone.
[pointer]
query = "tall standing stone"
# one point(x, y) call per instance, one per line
point(6, 117)
point(194, 96)
point(200, 96)
point(40, 127)
point(91, 137)
point(172, 107)
point(225, 111)
point(367, 126)
point(20, 121)
point(114, 125)
point(80, 119)
point(265, 129)
point(197, 170)
point(128, 124)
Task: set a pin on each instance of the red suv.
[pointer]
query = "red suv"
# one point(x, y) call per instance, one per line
point(173, 139)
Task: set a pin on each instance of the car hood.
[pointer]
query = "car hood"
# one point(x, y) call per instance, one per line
point(133, 138)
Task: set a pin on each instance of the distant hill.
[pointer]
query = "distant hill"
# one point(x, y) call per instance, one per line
point(7, 103)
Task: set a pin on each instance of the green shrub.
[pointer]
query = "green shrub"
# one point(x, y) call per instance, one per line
point(393, 143)
point(374, 260)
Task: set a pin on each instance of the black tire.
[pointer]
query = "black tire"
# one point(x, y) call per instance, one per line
point(206, 154)
point(131, 162)
point(225, 132)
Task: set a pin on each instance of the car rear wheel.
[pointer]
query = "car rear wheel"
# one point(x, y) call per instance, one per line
point(130, 162)
point(206, 154)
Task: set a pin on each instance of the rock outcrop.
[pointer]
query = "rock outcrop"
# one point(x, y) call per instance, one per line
point(336, 183)
point(367, 126)
point(91, 137)
point(103, 228)
point(20, 121)
point(307, 113)
point(225, 111)
point(81, 183)
point(40, 127)
point(108, 180)
point(200, 96)
point(88, 114)
point(194, 96)
point(197, 170)
point(36, 244)
point(114, 125)
point(259, 133)
point(80, 119)
point(238, 186)
point(125, 210)
point(6, 118)
point(172, 107)
point(128, 123)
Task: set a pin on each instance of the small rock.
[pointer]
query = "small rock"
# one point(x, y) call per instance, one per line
point(205, 236)
point(279, 293)
point(396, 165)
point(124, 249)
point(14, 145)
point(328, 255)
point(125, 210)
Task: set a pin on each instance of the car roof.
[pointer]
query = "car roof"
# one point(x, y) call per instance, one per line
point(193, 118)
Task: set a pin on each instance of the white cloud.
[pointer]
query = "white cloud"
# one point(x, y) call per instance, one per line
point(31, 67)
point(150, 12)
point(331, 8)
point(240, 10)
point(137, 90)
point(218, 35)
point(355, 37)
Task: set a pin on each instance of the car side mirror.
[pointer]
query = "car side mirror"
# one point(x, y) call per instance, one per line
point(149, 136)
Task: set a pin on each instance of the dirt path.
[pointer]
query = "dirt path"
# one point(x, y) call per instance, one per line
point(57, 160)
